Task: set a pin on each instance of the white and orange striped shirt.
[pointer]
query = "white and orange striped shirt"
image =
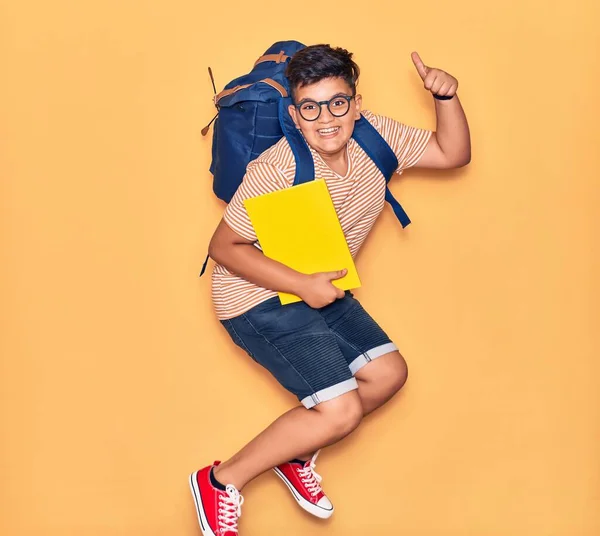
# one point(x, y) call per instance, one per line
point(358, 198)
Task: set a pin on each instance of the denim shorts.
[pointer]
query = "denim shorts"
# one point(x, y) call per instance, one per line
point(313, 353)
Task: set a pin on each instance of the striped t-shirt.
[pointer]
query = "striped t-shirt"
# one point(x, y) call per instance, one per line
point(358, 198)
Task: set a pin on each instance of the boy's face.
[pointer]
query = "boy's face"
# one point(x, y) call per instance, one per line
point(328, 134)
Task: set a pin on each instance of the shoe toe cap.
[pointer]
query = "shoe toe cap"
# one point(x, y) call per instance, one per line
point(325, 503)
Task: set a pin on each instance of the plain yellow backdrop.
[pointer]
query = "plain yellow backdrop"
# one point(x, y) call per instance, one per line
point(116, 379)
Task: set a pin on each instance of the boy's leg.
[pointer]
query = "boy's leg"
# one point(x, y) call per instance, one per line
point(371, 355)
point(315, 356)
point(374, 360)
point(295, 432)
point(380, 380)
point(216, 488)
point(377, 365)
point(296, 345)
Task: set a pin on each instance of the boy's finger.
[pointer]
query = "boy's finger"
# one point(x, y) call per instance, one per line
point(337, 274)
point(437, 86)
point(430, 79)
point(421, 69)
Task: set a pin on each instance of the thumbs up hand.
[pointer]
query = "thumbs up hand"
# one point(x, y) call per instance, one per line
point(435, 80)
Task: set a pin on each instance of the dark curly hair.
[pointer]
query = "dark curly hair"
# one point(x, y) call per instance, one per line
point(318, 62)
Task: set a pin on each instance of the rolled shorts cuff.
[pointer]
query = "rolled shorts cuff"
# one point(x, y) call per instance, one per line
point(374, 353)
point(329, 393)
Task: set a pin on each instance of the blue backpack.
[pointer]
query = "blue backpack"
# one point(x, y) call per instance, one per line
point(252, 115)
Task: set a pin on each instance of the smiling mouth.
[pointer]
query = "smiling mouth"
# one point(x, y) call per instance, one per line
point(328, 131)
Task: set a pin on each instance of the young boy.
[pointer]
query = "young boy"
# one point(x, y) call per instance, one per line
point(326, 350)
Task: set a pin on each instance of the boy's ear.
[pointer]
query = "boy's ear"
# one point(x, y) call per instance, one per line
point(357, 106)
point(294, 114)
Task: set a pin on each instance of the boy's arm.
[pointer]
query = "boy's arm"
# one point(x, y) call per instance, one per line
point(242, 258)
point(450, 145)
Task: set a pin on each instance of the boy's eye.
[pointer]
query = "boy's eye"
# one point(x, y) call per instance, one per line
point(339, 102)
point(308, 107)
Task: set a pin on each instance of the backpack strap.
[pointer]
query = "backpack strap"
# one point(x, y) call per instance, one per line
point(305, 167)
point(278, 58)
point(204, 266)
point(268, 81)
point(383, 156)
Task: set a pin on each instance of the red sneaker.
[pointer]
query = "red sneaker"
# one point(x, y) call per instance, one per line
point(305, 485)
point(218, 511)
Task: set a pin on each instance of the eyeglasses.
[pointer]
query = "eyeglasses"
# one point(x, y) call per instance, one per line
point(338, 106)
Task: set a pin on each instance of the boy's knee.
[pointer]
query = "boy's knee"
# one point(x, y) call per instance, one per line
point(343, 413)
point(399, 377)
point(391, 379)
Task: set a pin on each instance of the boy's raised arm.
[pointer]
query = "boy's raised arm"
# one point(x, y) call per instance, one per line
point(450, 146)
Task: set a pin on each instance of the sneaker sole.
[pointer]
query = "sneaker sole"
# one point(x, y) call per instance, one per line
point(311, 508)
point(204, 527)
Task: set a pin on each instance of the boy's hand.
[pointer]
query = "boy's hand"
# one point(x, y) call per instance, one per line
point(435, 80)
point(317, 290)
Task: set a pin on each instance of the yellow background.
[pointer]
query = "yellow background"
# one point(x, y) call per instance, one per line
point(117, 380)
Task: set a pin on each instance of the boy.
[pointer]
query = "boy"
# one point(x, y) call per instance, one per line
point(326, 350)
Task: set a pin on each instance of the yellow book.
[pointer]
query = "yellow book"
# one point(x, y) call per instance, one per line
point(299, 227)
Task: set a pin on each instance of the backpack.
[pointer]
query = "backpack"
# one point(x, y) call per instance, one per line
point(252, 115)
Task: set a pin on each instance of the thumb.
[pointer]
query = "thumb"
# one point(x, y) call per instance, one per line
point(337, 274)
point(421, 68)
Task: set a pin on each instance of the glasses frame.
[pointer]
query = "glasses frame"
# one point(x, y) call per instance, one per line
point(321, 103)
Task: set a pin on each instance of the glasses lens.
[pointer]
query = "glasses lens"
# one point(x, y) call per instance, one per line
point(310, 110)
point(339, 106)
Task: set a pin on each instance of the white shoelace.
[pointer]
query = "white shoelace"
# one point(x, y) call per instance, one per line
point(310, 477)
point(230, 509)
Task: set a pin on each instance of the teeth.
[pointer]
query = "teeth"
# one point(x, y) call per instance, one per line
point(329, 130)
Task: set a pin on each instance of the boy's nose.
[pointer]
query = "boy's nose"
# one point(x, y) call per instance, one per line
point(326, 115)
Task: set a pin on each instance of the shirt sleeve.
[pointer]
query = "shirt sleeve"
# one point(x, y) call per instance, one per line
point(260, 178)
point(408, 143)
